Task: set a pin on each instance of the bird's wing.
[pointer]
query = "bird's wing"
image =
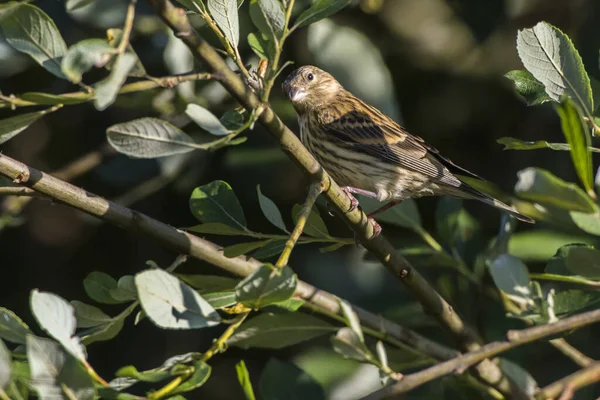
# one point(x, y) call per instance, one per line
point(376, 134)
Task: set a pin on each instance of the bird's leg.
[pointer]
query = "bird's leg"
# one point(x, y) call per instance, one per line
point(349, 190)
point(386, 207)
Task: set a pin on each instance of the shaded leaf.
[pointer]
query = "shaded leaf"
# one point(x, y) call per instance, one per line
point(225, 15)
point(85, 55)
point(516, 144)
point(89, 316)
point(532, 90)
point(199, 377)
point(276, 331)
point(568, 302)
point(261, 45)
point(270, 250)
point(519, 376)
point(107, 90)
point(12, 328)
point(238, 249)
point(280, 380)
point(30, 30)
point(583, 261)
point(12, 126)
point(149, 138)
point(172, 304)
point(267, 285)
point(453, 223)
point(209, 283)
point(216, 202)
point(540, 245)
point(320, 9)
point(232, 120)
point(405, 214)
point(244, 379)
point(510, 275)
point(270, 210)
point(206, 120)
point(314, 223)
point(73, 5)
point(100, 286)
point(589, 223)
point(347, 343)
point(541, 186)
point(217, 228)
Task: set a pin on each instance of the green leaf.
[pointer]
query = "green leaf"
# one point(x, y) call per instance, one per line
point(100, 286)
point(270, 210)
point(225, 14)
point(220, 300)
point(319, 10)
point(172, 304)
point(532, 90)
point(125, 290)
point(279, 330)
point(238, 249)
point(106, 91)
point(209, 283)
point(57, 318)
point(519, 376)
point(280, 380)
point(541, 186)
point(583, 261)
point(244, 379)
point(314, 224)
point(516, 144)
point(511, 276)
point(89, 316)
point(216, 202)
point(352, 320)
point(12, 126)
point(232, 120)
point(114, 36)
point(152, 375)
point(267, 285)
point(73, 5)
point(332, 247)
point(589, 223)
point(85, 55)
point(540, 245)
point(569, 302)
point(405, 214)
point(206, 120)
point(292, 304)
point(347, 343)
point(54, 99)
point(453, 223)
point(268, 251)
point(55, 374)
point(149, 138)
point(217, 228)
point(552, 59)
point(12, 328)
point(578, 137)
point(261, 45)
point(199, 377)
point(30, 30)
point(5, 365)
point(268, 16)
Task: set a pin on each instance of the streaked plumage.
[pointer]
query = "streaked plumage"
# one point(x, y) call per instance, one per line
point(362, 148)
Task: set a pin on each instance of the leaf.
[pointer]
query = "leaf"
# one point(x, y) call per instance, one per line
point(149, 138)
point(279, 330)
point(238, 249)
point(453, 223)
point(30, 30)
point(125, 290)
point(347, 343)
point(216, 202)
point(352, 320)
point(589, 223)
point(314, 223)
point(532, 90)
point(217, 228)
point(54, 373)
point(100, 287)
point(106, 91)
point(172, 304)
point(519, 376)
point(552, 59)
point(206, 120)
point(292, 304)
point(89, 316)
point(85, 55)
point(280, 380)
point(12, 126)
point(261, 45)
point(220, 300)
point(405, 214)
point(179, 59)
point(73, 5)
point(268, 16)
point(267, 285)
point(270, 210)
point(225, 15)
point(199, 377)
point(54, 99)
point(274, 248)
point(510, 275)
point(578, 137)
point(209, 283)
point(319, 10)
point(540, 245)
point(57, 317)
point(244, 379)
point(232, 120)
point(5, 365)
point(12, 328)
point(155, 374)
point(114, 36)
point(516, 144)
point(568, 302)
point(583, 261)
point(541, 186)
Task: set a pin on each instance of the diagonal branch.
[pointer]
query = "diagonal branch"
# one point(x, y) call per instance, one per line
point(431, 300)
point(461, 363)
point(184, 243)
point(571, 383)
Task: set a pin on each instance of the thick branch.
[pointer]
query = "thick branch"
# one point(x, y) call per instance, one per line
point(196, 247)
point(432, 301)
point(461, 363)
point(571, 383)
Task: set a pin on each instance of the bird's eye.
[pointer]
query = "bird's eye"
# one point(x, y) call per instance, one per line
point(310, 76)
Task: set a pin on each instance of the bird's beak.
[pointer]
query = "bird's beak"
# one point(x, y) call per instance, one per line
point(296, 94)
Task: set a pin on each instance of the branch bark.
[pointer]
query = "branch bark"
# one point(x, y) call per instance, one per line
point(463, 362)
point(191, 245)
point(431, 300)
point(571, 383)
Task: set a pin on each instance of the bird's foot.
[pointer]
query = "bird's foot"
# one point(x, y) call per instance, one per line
point(353, 201)
point(376, 231)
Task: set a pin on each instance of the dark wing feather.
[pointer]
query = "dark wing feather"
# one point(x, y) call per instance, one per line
point(376, 134)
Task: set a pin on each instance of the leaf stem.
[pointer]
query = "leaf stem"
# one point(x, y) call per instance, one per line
point(564, 278)
point(127, 27)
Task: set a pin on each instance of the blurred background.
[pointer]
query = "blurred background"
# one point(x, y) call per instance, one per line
point(437, 66)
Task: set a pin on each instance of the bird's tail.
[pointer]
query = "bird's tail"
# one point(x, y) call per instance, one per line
point(470, 192)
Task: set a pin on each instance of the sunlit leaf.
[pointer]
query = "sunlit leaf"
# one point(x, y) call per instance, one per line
point(12, 328)
point(519, 376)
point(267, 285)
point(85, 55)
point(261, 45)
point(532, 90)
point(516, 144)
point(314, 223)
point(114, 37)
point(225, 14)
point(510, 275)
point(244, 379)
point(206, 120)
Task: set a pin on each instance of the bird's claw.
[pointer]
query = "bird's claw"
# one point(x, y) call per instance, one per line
point(353, 200)
point(255, 81)
point(376, 231)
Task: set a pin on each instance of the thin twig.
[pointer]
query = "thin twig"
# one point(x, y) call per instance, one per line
point(127, 27)
point(18, 191)
point(461, 363)
point(571, 352)
point(577, 380)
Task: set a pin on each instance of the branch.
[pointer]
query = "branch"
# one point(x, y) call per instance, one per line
point(432, 301)
point(571, 383)
point(191, 245)
point(461, 363)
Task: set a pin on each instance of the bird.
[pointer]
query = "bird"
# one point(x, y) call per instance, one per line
point(368, 153)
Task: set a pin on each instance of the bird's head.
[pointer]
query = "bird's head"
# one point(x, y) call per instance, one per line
point(309, 87)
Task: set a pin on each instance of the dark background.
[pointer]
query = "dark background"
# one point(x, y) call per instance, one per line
point(444, 61)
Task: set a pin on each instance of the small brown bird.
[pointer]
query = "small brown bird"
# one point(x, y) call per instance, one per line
point(366, 152)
